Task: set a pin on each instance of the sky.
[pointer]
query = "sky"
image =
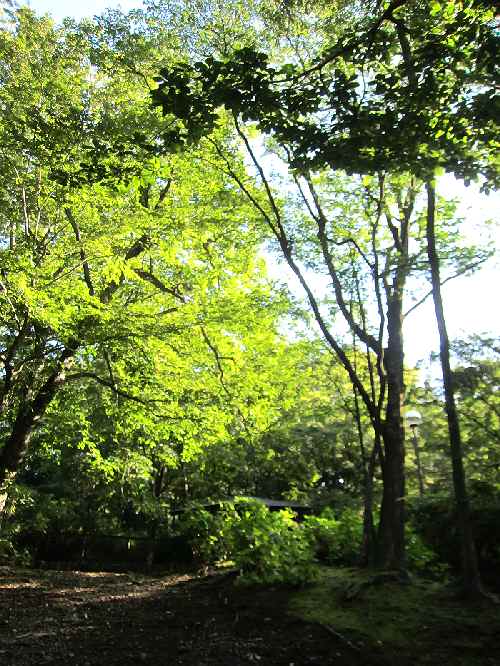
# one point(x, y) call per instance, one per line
point(78, 9)
point(472, 303)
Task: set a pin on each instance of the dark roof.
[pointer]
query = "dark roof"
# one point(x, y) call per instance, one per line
point(277, 503)
point(270, 503)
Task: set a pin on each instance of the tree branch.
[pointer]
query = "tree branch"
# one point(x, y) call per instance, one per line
point(344, 48)
point(112, 386)
point(470, 267)
point(285, 245)
point(161, 286)
point(85, 264)
point(339, 292)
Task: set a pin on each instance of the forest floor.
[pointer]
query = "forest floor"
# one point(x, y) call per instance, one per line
point(111, 619)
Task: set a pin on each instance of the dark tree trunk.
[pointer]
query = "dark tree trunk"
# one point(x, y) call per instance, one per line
point(369, 545)
point(470, 573)
point(368, 554)
point(29, 414)
point(391, 541)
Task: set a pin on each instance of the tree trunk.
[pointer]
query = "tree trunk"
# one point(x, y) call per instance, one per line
point(470, 573)
point(29, 414)
point(391, 541)
point(368, 554)
point(369, 545)
point(5, 485)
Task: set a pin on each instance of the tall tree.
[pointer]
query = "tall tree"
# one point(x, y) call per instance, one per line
point(101, 253)
point(380, 97)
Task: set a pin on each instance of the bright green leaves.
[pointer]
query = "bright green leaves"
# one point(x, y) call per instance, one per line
point(126, 256)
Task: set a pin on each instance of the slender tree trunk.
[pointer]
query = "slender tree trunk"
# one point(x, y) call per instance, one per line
point(470, 573)
point(369, 546)
point(5, 485)
point(158, 487)
point(391, 541)
point(368, 554)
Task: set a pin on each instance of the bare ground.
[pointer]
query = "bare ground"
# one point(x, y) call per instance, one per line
point(109, 619)
point(52, 617)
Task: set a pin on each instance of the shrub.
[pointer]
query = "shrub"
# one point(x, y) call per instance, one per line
point(434, 519)
point(269, 547)
point(335, 540)
point(266, 547)
point(420, 557)
point(11, 554)
point(205, 534)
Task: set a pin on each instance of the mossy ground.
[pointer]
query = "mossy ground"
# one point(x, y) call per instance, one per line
point(418, 623)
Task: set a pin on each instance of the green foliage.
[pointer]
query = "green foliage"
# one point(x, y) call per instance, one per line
point(205, 531)
point(336, 540)
point(266, 546)
point(131, 269)
point(419, 556)
point(435, 521)
point(378, 84)
point(12, 555)
point(137, 284)
point(269, 547)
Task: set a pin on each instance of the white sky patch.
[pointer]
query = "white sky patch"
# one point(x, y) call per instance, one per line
point(78, 9)
point(471, 302)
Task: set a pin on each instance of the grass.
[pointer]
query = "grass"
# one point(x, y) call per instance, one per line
point(422, 622)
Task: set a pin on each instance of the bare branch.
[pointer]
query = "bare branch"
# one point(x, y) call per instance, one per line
point(460, 273)
point(322, 221)
point(161, 286)
point(112, 386)
point(279, 231)
point(85, 264)
point(245, 190)
point(218, 359)
point(285, 244)
point(163, 193)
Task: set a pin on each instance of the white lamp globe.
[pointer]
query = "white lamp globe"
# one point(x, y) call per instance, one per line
point(413, 418)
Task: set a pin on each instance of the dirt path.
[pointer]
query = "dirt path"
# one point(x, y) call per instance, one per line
point(106, 619)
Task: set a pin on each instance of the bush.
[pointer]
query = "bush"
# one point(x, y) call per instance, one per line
point(269, 547)
point(420, 556)
point(205, 533)
point(338, 541)
point(13, 555)
point(266, 547)
point(434, 519)
point(335, 540)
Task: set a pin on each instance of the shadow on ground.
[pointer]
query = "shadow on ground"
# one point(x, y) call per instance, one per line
point(49, 617)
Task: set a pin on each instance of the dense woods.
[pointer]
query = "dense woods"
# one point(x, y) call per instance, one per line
point(215, 218)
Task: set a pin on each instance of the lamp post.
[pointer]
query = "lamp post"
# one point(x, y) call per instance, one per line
point(413, 420)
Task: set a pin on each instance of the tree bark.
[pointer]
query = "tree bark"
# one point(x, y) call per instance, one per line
point(29, 414)
point(5, 485)
point(369, 545)
point(368, 553)
point(471, 581)
point(391, 541)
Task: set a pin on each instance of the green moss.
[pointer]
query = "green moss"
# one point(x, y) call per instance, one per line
point(420, 620)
